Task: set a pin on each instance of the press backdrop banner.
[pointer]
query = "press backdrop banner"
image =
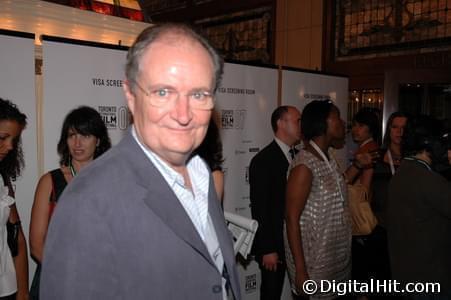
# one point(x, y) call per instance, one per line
point(17, 83)
point(245, 101)
point(300, 88)
point(81, 74)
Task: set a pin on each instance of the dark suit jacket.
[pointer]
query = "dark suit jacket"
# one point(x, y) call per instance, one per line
point(268, 180)
point(419, 225)
point(119, 232)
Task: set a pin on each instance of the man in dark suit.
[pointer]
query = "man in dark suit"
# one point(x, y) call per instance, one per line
point(419, 212)
point(143, 221)
point(268, 179)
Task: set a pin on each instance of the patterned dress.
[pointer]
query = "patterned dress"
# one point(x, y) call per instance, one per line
point(325, 226)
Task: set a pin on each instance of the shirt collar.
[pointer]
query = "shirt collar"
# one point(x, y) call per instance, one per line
point(420, 161)
point(196, 167)
point(169, 174)
point(285, 148)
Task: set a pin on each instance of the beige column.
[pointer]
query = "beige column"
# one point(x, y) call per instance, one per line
point(298, 36)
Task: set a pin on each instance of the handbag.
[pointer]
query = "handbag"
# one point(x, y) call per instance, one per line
point(362, 217)
point(12, 230)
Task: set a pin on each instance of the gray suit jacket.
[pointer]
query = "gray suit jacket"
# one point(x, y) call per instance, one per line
point(119, 232)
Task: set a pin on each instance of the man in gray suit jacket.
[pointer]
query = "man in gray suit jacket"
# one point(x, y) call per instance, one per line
point(143, 221)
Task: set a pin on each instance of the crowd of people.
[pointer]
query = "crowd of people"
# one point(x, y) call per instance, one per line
point(154, 228)
point(392, 232)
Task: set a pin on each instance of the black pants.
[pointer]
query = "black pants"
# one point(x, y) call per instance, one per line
point(370, 259)
point(10, 297)
point(272, 282)
point(370, 256)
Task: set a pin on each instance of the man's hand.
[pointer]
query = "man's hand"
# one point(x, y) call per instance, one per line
point(270, 261)
point(366, 160)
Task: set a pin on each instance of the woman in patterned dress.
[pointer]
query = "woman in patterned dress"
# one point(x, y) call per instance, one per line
point(318, 228)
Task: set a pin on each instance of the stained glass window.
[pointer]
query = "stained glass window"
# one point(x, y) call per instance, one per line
point(381, 26)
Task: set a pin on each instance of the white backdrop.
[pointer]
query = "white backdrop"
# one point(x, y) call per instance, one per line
point(245, 101)
point(75, 75)
point(17, 83)
point(299, 88)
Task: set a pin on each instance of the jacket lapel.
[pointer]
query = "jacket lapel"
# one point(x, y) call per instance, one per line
point(160, 198)
point(224, 237)
point(280, 158)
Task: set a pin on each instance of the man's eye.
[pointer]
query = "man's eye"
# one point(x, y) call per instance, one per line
point(198, 95)
point(162, 93)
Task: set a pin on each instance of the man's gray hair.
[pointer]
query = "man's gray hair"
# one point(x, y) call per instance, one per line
point(158, 32)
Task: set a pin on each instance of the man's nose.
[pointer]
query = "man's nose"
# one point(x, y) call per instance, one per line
point(182, 111)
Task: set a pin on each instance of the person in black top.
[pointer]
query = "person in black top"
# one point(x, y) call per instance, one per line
point(84, 137)
point(390, 158)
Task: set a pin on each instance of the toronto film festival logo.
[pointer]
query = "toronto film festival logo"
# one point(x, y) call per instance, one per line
point(114, 117)
point(251, 283)
point(233, 119)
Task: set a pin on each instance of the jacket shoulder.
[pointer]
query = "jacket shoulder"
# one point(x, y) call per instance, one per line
point(269, 151)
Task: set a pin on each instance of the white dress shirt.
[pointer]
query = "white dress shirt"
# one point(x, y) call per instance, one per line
point(285, 149)
point(195, 201)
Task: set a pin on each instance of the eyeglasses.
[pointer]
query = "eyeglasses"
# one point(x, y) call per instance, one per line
point(167, 97)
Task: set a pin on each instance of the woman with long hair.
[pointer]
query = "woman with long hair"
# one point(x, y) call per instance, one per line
point(390, 159)
point(391, 155)
point(84, 137)
point(13, 248)
point(392, 143)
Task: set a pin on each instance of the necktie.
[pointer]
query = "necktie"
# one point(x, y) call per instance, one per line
point(293, 152)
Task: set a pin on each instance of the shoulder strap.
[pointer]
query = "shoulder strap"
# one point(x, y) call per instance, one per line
point(58, 184)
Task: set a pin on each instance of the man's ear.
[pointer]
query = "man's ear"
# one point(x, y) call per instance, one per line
point(280, 124)
point(129, 96)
